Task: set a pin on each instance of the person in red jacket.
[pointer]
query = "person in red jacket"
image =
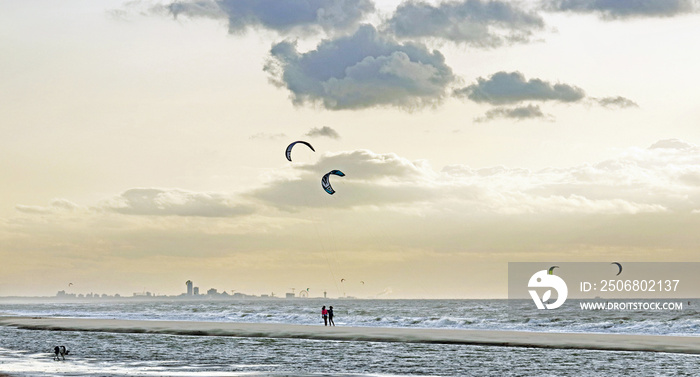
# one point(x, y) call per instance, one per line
point(324, 314)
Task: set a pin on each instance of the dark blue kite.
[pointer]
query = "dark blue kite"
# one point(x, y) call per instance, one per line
point(288, 152)
point(325, 182)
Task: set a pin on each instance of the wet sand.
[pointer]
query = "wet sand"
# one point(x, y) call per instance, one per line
point(611, 342)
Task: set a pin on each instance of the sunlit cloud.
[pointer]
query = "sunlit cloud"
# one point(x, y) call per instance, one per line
point(642, 181)
point(174, 202)
point(55, 206)
point(664, 177)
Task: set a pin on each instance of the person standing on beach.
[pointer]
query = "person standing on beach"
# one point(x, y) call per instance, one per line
point(324, 314)
point(330, 316)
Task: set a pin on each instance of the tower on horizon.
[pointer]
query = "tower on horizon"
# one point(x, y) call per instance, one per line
point(188, 283)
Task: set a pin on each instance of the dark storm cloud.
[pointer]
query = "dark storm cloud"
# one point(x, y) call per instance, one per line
point(508, 88)
point(615, 9)
point(359, 71)
point(281, 16)
point(474, 22)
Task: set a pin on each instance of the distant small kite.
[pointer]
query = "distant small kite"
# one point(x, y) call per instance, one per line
point(288, 152)
point(326, 183)
point(618, 266)
point(551, 270)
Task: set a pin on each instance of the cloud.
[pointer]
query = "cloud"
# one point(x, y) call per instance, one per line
point(361, 71)
point(619, 9)
point(508, 88)
point(676, 144)
point(504, 88)
point(174, 202)
point(517, 113)
point(55, 206)
point(473, 22)
point(324, 131)
point(280, 16)
point(615, 102)
point(268, 136)
point(664, 178)
point(373, 179)
point(367, 165)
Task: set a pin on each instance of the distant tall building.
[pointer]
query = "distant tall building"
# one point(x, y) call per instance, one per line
point(196, 291)
point(188, 283)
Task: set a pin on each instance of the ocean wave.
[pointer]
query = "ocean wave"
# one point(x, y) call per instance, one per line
point(463, 314)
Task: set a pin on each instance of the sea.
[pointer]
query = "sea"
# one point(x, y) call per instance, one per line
point(30, 352)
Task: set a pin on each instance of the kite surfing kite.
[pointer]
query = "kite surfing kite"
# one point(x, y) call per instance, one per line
point(288, 152)
point(618, 266)
point(551, 270)
point(325, 182)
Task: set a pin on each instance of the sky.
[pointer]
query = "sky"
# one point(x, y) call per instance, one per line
point(142, 143)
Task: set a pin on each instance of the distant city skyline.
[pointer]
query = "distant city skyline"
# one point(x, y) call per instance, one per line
point(190, 291)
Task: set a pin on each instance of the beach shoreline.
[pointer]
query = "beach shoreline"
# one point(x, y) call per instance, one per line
point(590, 341)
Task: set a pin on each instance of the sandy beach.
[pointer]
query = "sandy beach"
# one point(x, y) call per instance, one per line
point(591, 341)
